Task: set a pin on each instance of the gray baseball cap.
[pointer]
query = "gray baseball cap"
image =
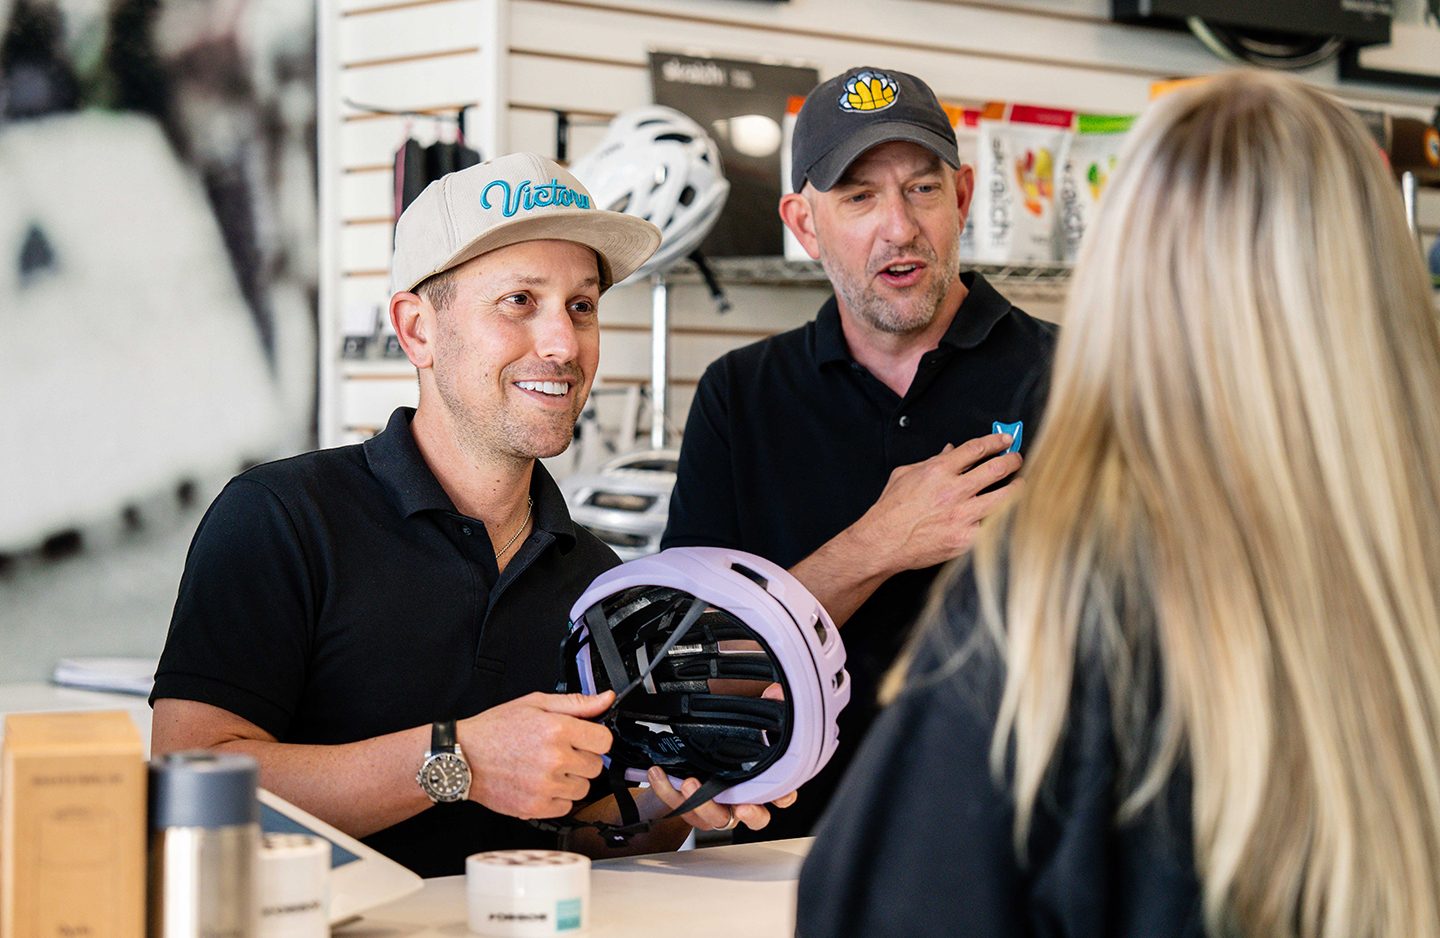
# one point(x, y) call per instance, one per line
point(860, 109)
point(520, 197)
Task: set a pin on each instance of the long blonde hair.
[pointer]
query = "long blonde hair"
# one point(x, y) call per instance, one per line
point(1239, 479)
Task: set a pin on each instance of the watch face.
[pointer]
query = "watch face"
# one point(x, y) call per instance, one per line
point(445, 776)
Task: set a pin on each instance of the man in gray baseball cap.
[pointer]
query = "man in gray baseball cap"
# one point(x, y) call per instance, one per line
point(859, 449)
point(379, 624)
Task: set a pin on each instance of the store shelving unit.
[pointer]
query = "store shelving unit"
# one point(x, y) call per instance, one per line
point(777, 271)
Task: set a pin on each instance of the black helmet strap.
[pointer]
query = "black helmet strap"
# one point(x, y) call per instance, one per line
point(617, 835)
point(614, 664)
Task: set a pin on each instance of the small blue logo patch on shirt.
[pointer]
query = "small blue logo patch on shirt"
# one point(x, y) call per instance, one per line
point(1016, 431)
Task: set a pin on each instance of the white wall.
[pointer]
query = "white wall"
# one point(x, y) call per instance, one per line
point(521, 60)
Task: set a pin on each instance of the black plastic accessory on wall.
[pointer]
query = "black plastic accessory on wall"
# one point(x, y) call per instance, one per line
point(1286, 34)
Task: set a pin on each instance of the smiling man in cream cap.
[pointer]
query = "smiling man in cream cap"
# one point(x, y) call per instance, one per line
point(379, 624)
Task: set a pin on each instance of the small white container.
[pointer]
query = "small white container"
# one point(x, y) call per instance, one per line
point(528, 893)
point(294, 886)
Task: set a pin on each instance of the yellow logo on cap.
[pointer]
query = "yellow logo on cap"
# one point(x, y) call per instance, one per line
point(869, 91)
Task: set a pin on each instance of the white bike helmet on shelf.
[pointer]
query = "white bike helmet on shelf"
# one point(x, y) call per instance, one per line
point(662, 166)
point(627, 502)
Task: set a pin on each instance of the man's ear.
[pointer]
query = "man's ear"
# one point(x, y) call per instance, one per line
point(414, 320)
point(964, 191)
point(798, 215)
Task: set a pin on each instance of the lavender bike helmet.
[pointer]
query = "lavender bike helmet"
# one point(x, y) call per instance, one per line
point(688, 638)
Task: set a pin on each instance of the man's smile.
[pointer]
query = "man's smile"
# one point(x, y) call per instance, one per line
point(547, 388)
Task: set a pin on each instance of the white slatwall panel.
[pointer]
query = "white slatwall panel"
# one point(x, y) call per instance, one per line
point(414, 30)
point(445, 81)
point(366, 246)
point(590, 59)
point(426, 56)
point(367, 194)
point(534, 130)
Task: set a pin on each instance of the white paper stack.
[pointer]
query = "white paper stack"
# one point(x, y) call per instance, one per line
point(120, 675)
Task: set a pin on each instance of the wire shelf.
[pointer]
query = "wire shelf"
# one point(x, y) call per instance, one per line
point(777, 271)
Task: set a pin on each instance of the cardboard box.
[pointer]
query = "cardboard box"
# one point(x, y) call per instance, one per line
point(72, 827)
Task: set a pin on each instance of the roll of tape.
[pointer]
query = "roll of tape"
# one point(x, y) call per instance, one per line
point(294, 886)
point(528, 893)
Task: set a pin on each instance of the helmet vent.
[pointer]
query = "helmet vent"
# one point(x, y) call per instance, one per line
point(751, 575)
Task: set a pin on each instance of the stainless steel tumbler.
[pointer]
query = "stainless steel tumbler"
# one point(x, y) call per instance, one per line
point(204, 841)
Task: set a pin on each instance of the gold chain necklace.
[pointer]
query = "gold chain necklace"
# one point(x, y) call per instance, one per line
point(529, 505)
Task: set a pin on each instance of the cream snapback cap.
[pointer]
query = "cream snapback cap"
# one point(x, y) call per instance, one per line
point(520, 197)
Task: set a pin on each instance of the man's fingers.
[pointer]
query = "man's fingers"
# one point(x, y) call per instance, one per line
point(983, 506)
point(581, 732)
point(572, 787)
point(707, 816)
point(711, 816)
point(967, 454)
point(660, 785)
point(584, 706)
point(753, 816)
point(994, 469)
point(590, 737)
point(582, 764)
point(555, 807)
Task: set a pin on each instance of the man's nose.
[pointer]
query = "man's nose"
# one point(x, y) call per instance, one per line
point(555, 337)
point(898, 224)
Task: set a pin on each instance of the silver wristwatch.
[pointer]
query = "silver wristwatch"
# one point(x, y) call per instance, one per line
point(444, 775)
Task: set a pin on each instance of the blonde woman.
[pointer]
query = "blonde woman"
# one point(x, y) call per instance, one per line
point(1192, 683)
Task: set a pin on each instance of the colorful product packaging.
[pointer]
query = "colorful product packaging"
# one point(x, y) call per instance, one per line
point(966, 121)
point(1016, 182)
point(1090, 161)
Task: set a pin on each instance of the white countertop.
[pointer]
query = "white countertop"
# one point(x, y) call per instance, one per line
point(717, 892)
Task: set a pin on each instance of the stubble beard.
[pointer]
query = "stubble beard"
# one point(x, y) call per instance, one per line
point(487, 433)
point(862, 299)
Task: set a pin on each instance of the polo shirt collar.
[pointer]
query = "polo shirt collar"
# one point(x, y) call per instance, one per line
point(830, 344)
point(981, 309)
point(551, 512)
point(395, 460)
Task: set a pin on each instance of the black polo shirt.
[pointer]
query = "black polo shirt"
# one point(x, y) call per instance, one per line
point(338, 595)
point(790, 440)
